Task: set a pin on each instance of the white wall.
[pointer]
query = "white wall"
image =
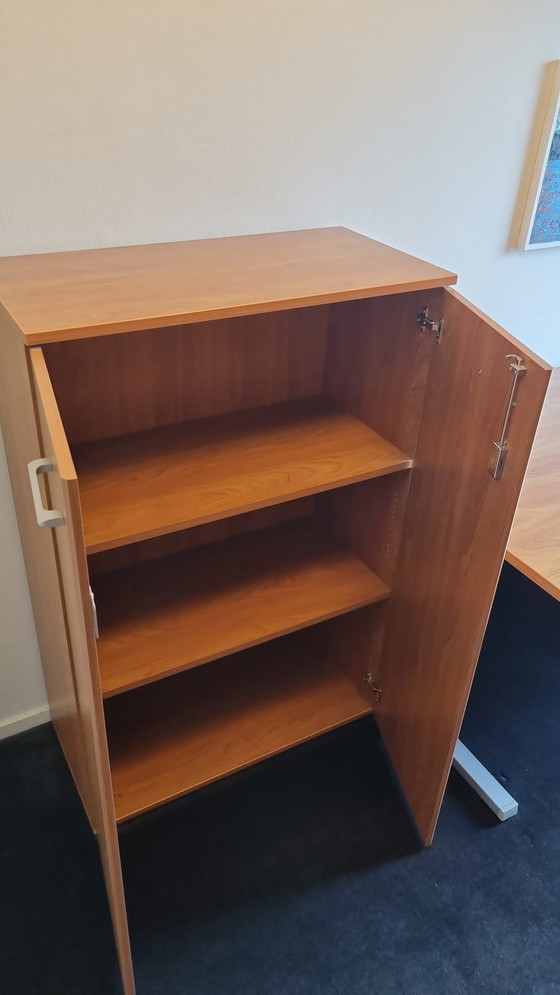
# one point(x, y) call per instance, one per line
point(22, 692)
point(127, 121)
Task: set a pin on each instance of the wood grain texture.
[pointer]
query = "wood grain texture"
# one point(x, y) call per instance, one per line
point(165, 616)
point(457, 522)
point(23, 444)
point(69, 295)
point(355, 643)
point(376, 367)
point(368, 519)
point(172, 478)
point(377, 362)
point(201, 535)
point(68, 538)
point(190, 730)
point(119, 384)
point(534, 542)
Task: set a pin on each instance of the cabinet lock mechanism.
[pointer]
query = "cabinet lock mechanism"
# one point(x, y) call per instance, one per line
point(432, 326)
point(500, 448)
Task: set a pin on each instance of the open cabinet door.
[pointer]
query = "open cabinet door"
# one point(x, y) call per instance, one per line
point(63, 514)
point(457, 523)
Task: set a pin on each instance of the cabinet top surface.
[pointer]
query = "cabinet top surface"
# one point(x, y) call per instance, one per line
point(68, 295)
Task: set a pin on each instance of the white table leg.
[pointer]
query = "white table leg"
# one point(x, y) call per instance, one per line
point(485, 785)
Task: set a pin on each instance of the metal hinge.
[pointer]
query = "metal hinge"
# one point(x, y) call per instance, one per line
point(433, 326)
point(500, 448)
point(371, 685)
point(94, 614)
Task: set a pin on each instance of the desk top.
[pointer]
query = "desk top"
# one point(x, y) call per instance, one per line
point(534, 543)
point(68, 295)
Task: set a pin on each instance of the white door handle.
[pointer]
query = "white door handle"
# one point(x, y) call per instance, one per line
point(45, 518)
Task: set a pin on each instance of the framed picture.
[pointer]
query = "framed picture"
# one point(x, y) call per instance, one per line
point(540, 225)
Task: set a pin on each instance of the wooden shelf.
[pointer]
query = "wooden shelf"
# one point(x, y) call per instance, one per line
point(150, 483)
point(168, 740)
point(181, 611)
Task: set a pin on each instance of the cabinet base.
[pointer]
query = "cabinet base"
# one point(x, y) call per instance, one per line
point(484, 783)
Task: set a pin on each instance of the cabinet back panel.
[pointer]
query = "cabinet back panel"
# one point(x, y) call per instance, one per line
point(200, 535)
point(118, 384)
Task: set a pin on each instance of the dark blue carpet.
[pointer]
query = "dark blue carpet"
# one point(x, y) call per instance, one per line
point(303, 876)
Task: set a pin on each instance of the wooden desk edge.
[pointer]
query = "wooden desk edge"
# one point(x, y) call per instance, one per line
point(544, 438)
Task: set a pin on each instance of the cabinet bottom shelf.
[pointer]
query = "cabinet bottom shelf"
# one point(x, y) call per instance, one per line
point(169, 739)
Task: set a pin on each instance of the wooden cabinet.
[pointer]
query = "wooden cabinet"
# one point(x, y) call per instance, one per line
point(274, 468)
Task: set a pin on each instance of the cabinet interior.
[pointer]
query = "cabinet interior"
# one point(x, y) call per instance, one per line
point(243, 486)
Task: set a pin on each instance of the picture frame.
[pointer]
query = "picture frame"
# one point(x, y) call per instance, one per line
point(540, 222)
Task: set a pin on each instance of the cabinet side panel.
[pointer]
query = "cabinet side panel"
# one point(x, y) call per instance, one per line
point(457, 522)
point(21, 439)
point(71, 556)
point(377, 365)
point(377, 362)
point(118, 384)
point(368, 518)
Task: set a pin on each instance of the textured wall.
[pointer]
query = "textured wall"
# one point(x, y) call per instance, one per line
point(124, 121)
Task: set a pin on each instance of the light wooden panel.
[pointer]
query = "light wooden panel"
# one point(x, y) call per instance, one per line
point(64, 496)
point(22, 444)
point(79, 294)
point(147, 484)
point(457, 522)
point(190, 730)
point(119, 384)
point(182, 611)
point(534, 543)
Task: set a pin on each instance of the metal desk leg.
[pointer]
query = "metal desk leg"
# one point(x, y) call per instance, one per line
point(485, 785)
